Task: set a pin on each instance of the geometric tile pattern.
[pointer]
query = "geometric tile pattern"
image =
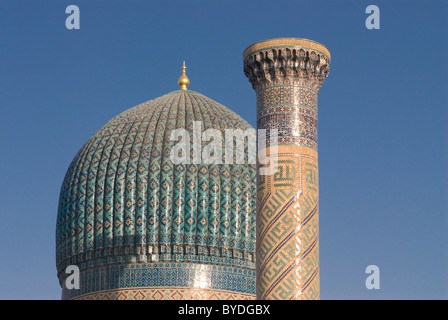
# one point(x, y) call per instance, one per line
point(156, 293)
point(124, 201)
point(169, 278)
point(287, 79)
point(296, 124)
point(287, 74)
point(288, 228)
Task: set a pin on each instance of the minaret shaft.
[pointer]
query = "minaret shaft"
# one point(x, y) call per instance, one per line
point(286, 75)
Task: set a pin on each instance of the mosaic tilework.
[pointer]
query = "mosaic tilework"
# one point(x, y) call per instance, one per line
point(288, 227)
point(287, 80)
point(287, 74)
point(165, 276)
point(295, 125)
point(286, 95)
point(124, 201)
point(292, 110)
point(165, 294)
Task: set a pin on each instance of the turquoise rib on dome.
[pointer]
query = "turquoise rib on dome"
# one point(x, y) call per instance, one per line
point(124, 201)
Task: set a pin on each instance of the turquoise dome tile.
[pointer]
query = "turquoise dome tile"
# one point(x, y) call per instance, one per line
point(124, 201)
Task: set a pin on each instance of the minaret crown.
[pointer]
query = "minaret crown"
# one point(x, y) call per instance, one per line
point(286, 61)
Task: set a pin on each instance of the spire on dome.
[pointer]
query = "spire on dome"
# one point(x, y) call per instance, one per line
point(183, 80)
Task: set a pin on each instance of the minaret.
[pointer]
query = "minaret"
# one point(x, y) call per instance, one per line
point(286, 75)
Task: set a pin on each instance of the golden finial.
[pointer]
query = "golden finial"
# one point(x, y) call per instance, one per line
point(183, 80)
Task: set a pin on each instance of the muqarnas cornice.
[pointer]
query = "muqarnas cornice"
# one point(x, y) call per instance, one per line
point(287, 61)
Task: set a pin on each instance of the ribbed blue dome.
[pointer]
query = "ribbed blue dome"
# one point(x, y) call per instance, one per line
point(123, 200)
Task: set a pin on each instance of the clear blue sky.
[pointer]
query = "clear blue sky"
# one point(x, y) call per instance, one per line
point(382, 121)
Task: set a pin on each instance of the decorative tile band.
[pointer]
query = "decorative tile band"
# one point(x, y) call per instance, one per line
point(292, 110)
point(162, 293)
point(169, 276)
point(159, 254)
point(286, 95)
